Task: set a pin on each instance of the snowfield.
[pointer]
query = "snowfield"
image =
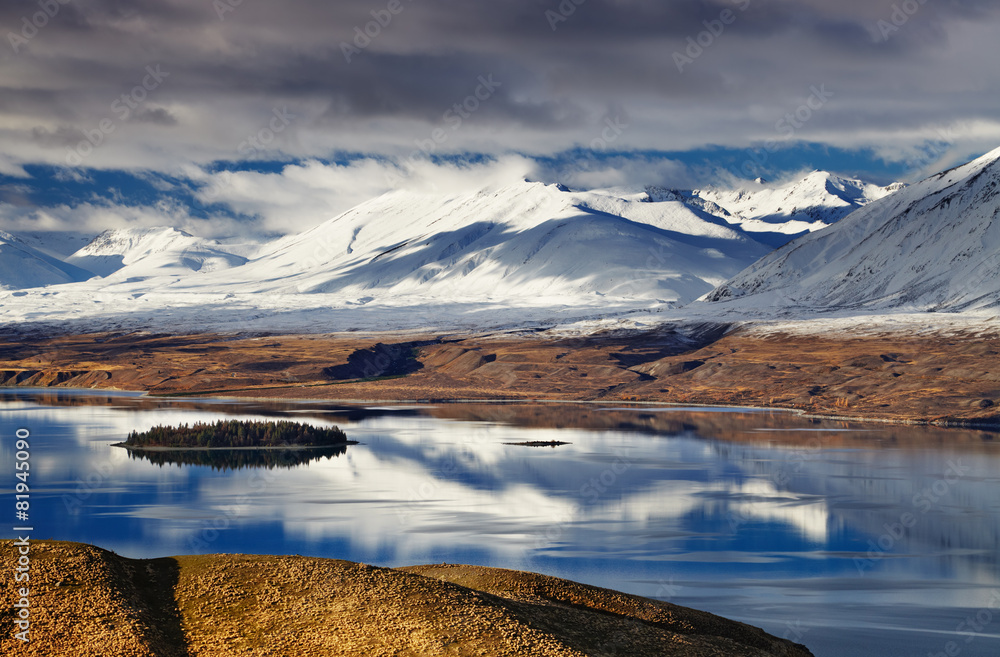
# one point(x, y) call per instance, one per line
point(813, 203)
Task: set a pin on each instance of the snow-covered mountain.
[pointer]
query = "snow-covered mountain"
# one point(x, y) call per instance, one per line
point(514, 242)
point(500, 256)
point(932, 246)
point(22, 266)
point(147, 252)
point(531, 253)
point(776, 214)
point(508, 242)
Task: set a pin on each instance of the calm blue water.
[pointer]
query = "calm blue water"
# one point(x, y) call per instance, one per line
point(853, 540)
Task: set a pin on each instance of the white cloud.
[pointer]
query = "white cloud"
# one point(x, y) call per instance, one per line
point(96, 217)
point(591, 173)
point(11, 168)
point(292, 200)
point(303, 195)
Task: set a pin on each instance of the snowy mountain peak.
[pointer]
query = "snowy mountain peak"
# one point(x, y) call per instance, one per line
point(508, 244)
point(143, 252)
point(119, 241)
point(934, 245)
point(779, 213)
point(657, 194)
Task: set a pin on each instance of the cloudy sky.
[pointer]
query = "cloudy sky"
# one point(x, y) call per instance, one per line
point(228, 115)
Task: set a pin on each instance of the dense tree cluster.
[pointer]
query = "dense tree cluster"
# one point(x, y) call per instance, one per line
point(237, 433)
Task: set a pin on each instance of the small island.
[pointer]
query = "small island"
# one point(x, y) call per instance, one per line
point(236, 434)
point(540, 443)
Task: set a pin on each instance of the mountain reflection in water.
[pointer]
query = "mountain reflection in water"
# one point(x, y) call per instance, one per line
point(871, 538)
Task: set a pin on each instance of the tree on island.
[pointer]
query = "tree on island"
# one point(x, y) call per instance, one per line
point(238, 433)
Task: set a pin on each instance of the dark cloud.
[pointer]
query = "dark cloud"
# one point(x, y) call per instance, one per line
point(155, 116)
point(62, 136)
point(15, 195)
point(898, 68)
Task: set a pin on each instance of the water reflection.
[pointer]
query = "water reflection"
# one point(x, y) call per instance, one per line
point(877, 539)
point(768, 427)
point(237, 459)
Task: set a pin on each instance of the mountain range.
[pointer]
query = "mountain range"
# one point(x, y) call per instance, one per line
point(764, 214)
point(819, 242)
point(807, 205)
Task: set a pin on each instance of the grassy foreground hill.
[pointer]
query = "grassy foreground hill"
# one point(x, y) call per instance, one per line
point(88, 602)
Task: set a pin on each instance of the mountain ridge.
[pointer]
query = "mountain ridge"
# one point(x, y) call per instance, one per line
point(528, 252)
point(502, 242)
point(932, 246)
point(777, 214)
point(143, 252)
point(23, 266)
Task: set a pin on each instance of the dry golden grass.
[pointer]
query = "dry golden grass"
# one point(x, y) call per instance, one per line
point(88, 602)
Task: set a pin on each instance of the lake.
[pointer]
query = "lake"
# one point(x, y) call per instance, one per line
point(854, 539)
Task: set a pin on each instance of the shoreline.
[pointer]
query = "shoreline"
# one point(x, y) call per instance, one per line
point(222, 396)
point(949, 381)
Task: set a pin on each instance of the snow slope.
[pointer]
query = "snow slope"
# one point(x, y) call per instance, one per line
point(58, 244)
point(932, 246)
point(22, 266)
point(776, 214)
point(148, 252)
point(515, 243)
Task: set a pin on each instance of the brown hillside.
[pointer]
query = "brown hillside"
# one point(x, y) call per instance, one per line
point(88, 602)
point(942, 378)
